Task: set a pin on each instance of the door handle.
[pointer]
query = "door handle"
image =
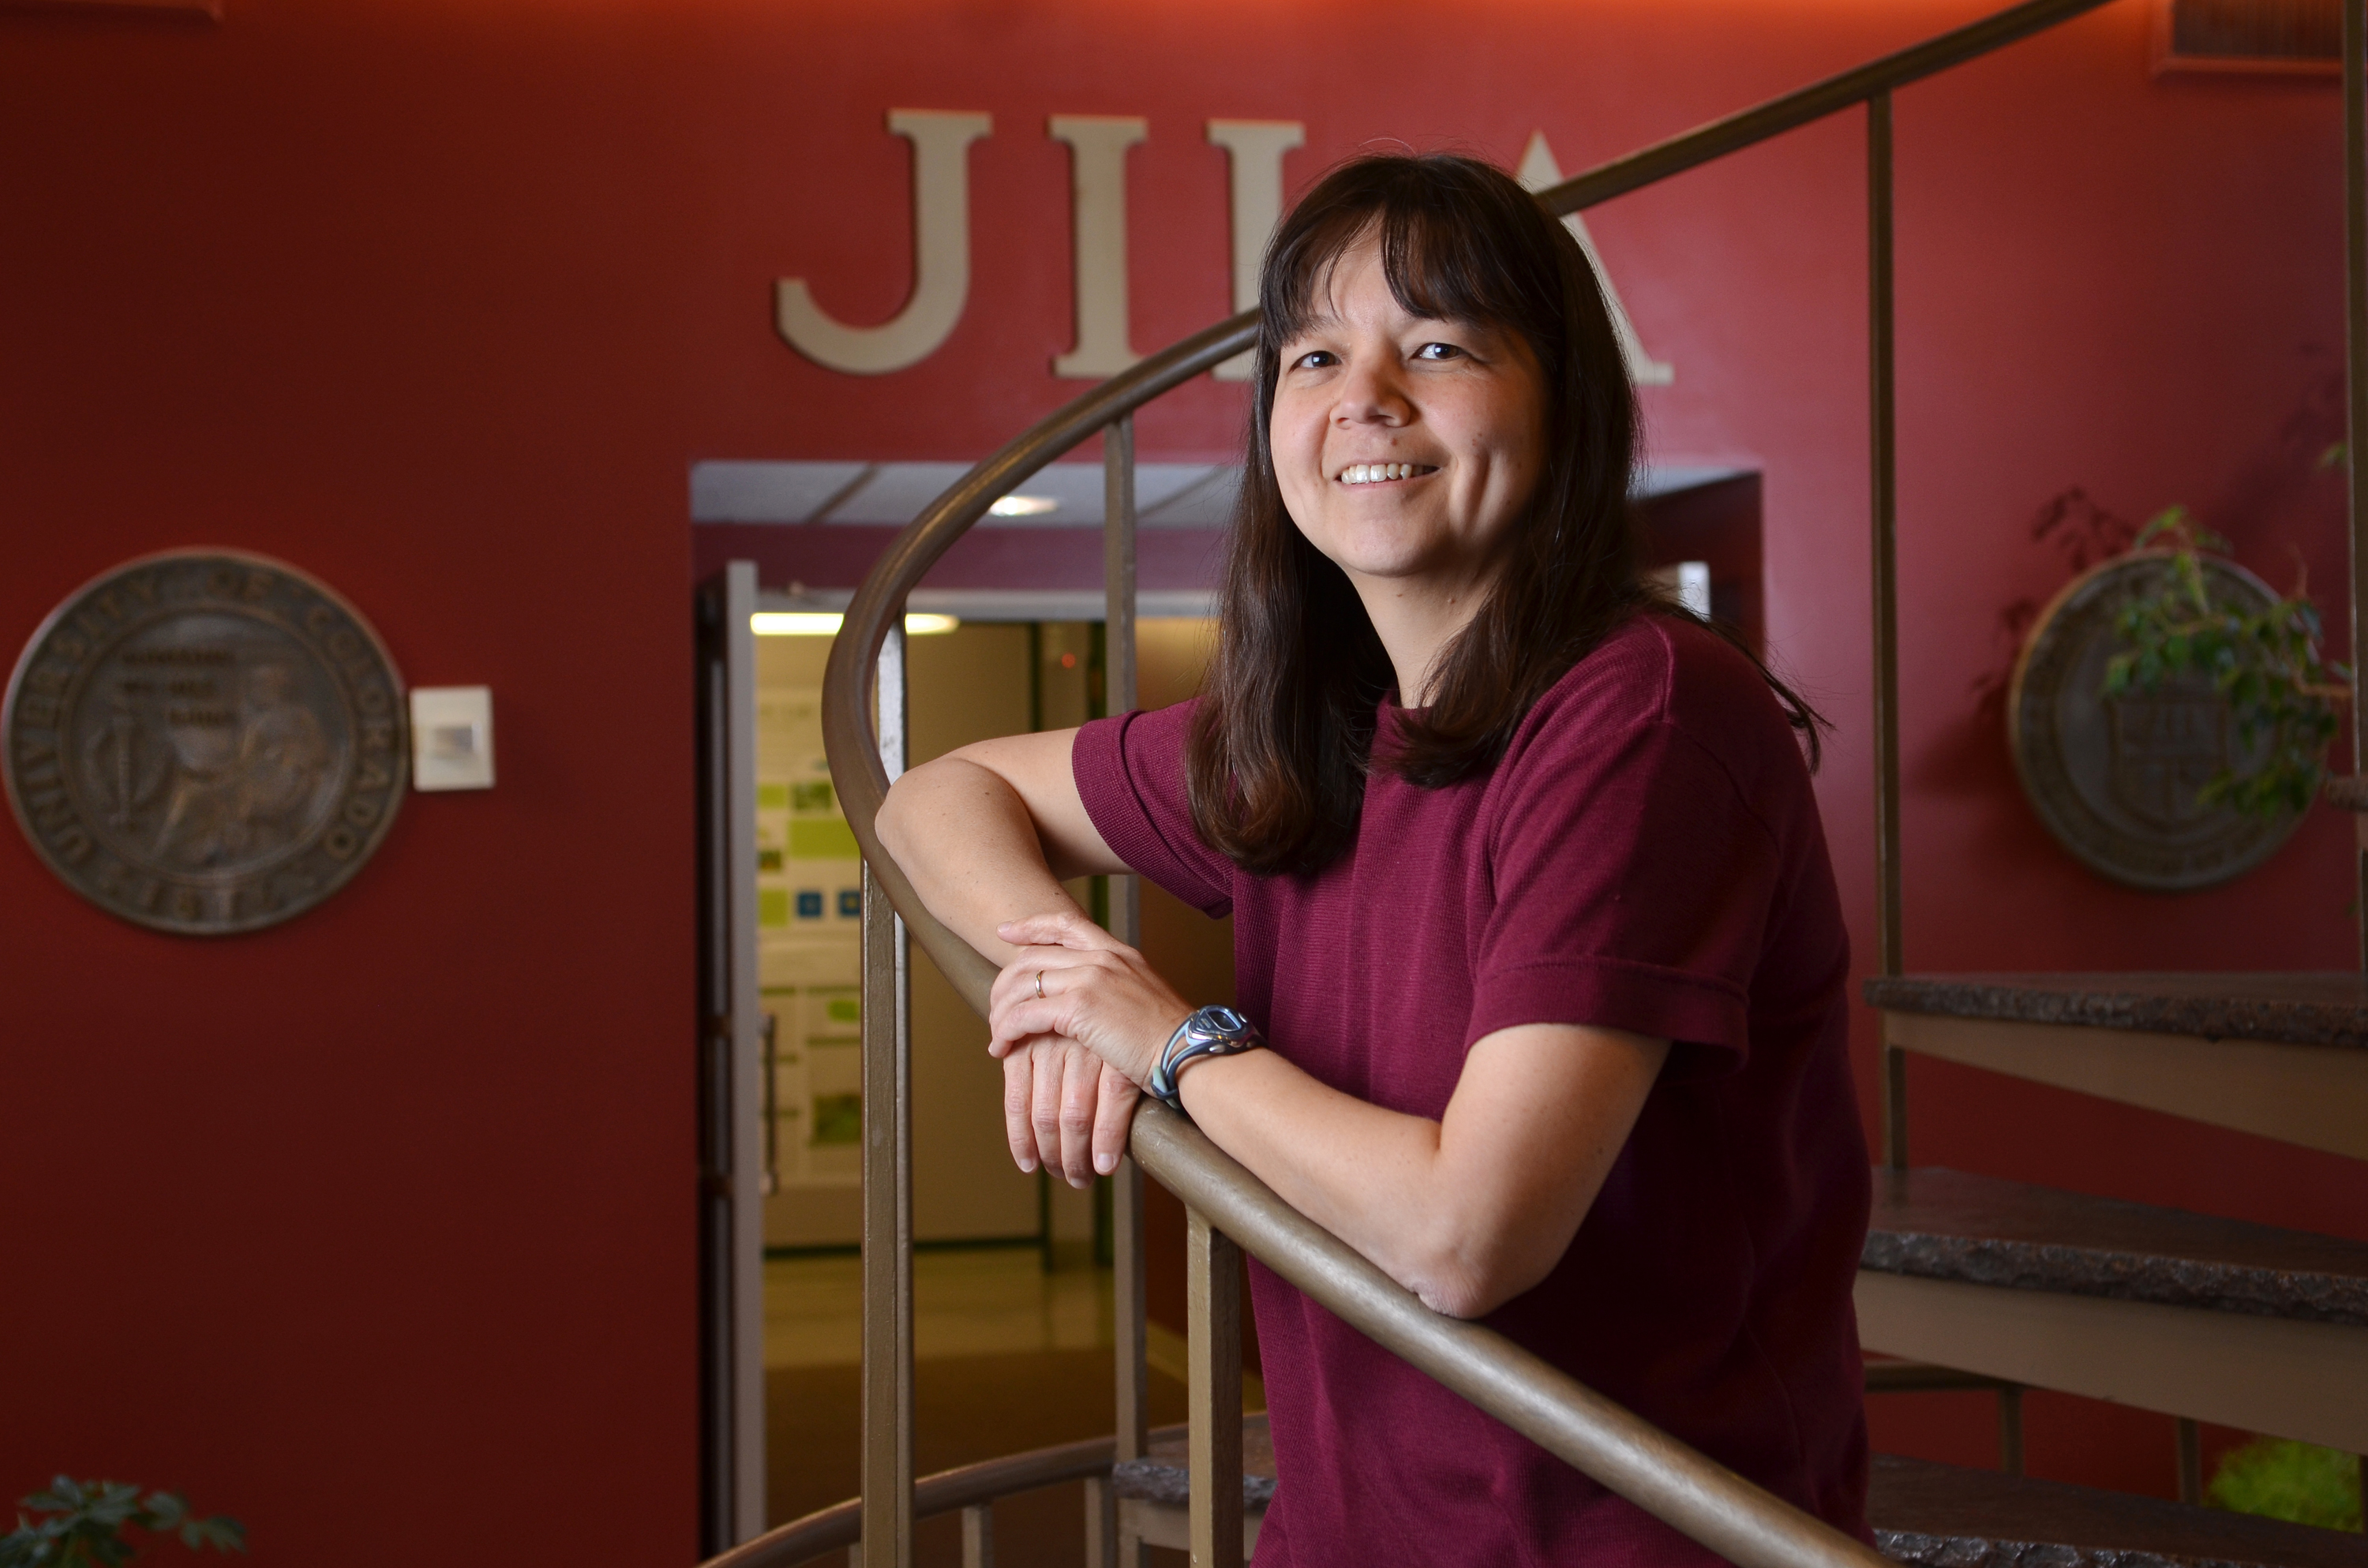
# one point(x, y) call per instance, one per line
point(772, 1183)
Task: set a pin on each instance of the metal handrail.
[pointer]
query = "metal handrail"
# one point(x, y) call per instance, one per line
point(1667, 1478)
point(1678, 1484)
point(848, 733)
point(922, 542)
point(1709, 142)
point(971, 1486)
point(808, 1537)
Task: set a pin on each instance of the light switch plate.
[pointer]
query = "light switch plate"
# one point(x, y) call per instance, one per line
point(451, 737)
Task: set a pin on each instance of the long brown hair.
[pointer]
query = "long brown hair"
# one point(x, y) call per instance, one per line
point(1282, 739)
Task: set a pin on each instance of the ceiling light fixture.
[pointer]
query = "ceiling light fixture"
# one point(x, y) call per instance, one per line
point(824, 623)
point(1025, 506)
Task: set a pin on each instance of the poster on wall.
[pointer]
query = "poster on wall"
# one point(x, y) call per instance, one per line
point(810, 945)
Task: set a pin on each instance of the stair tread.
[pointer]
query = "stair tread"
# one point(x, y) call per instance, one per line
point(1945, 1516)
point(1937, 1515)
point(2328, 1009)
point(1163, 1476)
point(1980, 1230)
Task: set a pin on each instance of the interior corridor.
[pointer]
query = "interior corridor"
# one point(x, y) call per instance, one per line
point(1007, 1357)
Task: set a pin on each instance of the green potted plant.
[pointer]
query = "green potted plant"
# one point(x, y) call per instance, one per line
point(2285, 698)
point(80, 1524)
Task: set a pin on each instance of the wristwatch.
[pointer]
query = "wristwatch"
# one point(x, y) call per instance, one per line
point(1212, 1031)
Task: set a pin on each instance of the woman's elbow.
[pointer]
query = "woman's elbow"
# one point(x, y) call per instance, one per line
point(895, 823)
point(1456, 1284)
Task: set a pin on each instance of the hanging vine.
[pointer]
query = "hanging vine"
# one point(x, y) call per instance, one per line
point(2285, 698)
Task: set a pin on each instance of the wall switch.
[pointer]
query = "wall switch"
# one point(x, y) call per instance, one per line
point(451, 737)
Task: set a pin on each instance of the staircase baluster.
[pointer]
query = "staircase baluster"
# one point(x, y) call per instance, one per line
point(1213, 1363)
point(1118, 658)
point(2009, 1414)
point(887, 1128)
point(1883, 457)
point(2355, 364)
point(1101, 1523)
point(978, 1536)
point(1126, 925)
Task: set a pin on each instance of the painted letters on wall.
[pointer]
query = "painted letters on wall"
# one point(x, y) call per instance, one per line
point(1098, 148)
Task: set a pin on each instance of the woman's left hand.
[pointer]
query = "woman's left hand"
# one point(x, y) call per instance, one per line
point(1075, 981)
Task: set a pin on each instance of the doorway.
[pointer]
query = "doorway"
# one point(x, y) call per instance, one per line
point(1012, 1285)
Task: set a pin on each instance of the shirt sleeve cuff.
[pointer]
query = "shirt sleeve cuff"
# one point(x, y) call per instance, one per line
point(1707, 1022)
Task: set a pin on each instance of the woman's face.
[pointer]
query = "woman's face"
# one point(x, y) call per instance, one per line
point(1405, 447)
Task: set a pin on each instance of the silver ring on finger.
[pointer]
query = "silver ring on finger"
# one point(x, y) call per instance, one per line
point(1040, 985)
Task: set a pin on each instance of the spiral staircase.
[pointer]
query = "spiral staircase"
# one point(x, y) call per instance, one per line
point(1966, 1282)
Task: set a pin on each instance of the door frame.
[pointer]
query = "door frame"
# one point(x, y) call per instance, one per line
point(730, 1071)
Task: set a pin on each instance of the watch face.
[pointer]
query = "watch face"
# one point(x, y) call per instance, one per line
point(1224, 1022)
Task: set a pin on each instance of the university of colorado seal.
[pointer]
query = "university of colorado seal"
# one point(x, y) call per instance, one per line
point(205, 742)
point(2115, 779)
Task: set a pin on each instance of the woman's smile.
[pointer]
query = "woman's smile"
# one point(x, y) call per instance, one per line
point(1384, 473)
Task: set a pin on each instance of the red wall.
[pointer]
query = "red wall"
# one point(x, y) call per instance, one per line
point(395, 1203)
point(374, 1229)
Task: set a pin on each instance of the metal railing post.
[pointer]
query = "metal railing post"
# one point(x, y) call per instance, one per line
point(1213, 1364)
point(978, 1536)
point(1126, 925)
point(887, 1179)
point(1884, 461)
point(2355, 365)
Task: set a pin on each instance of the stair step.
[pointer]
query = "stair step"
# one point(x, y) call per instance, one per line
point(1942, 1516)
point(1935, 1515)
point(1164, 1477)
point(1943, 1224)
point(2281, 1056)
point(2329, 1009)
point(2246, 1325)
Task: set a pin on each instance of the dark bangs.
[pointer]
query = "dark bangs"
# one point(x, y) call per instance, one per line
point(1437, 261)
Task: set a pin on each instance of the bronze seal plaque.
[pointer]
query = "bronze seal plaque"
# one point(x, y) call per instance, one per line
point(205, 742)
point(2115, 779)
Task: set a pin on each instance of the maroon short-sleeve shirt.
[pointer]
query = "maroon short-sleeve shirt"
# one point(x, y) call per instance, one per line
point(1647, 857)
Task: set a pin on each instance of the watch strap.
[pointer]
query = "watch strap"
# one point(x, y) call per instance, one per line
point(1209, 1031)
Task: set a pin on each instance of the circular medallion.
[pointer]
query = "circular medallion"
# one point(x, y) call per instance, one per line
point(2115, 779)
point(205, 742)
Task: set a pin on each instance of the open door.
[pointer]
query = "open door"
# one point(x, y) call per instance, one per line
point(730, 1071)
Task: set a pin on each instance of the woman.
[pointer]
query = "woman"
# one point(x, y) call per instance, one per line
point(1548, 960)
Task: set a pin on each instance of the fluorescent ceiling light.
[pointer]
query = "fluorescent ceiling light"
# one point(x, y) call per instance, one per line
point(1024, 507)
point(824, 623)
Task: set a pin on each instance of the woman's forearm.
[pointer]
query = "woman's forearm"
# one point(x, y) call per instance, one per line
point(1467, 1211)
point(965, 840)
point(1365, 1173)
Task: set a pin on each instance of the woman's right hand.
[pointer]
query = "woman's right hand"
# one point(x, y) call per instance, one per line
point(1064, 1107)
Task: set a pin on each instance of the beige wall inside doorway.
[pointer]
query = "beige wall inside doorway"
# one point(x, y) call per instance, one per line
point(969, 685)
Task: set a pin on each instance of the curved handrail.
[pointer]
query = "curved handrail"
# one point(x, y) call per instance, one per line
point(1673, 1482)
point(849, 738)
point(848, 735)
point(1667, 1478)
point(1705, 143)
point(841, 1524)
